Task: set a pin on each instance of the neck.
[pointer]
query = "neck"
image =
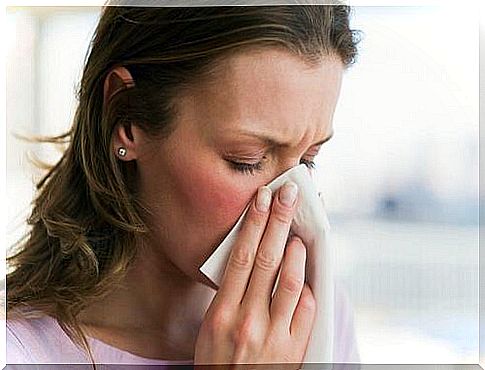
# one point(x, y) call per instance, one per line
point(156, 312)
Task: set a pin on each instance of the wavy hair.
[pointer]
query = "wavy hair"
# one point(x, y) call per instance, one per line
point(86, 216)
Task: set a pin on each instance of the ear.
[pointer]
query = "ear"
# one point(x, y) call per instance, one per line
point(126, 136)
point(119, 78)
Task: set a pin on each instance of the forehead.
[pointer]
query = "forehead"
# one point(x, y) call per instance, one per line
point(271, 89)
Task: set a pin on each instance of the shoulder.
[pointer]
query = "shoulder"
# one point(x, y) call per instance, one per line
point(23, 339)
point(17, 353)
point(38, 340)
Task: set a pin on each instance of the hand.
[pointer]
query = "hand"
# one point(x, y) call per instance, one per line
point(243, 323)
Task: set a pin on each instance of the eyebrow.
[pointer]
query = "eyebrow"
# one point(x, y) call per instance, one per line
point(274, 142)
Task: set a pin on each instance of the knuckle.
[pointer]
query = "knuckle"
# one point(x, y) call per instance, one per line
point(266, 261)
point(219, 321)
point(292, 284)
point(298, 247)
point(282, 214)
point(307, 300)
point(246, 334)
point(276, 339)
point(257, 218)
point(297, 243)
point(241, 258)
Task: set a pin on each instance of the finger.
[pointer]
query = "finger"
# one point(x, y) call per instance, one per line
point(241, 259)
point(304, 316)
point(290, 285)
point(270, 252)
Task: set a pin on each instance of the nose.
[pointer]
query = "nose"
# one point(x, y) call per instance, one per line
point(283, 167)
point(293, 163)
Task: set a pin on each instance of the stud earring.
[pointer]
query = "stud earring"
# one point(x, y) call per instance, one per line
point(121, 151)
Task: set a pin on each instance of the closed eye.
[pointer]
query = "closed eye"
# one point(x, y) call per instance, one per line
point(252, 168)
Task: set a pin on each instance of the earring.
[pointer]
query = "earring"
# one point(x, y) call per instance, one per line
point(121, 151)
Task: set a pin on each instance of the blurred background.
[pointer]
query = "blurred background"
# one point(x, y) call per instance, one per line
point(400, 177)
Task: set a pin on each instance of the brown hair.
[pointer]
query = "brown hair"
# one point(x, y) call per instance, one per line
point(86, 216)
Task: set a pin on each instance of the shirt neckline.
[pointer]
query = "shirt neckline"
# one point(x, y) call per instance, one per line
point(101, 343)
point(145, 360)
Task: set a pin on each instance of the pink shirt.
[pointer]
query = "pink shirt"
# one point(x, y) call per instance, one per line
point(42, 340)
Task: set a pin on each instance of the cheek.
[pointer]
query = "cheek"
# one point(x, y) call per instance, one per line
point(211, 203)
point(217, 197)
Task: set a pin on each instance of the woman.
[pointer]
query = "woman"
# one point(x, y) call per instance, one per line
point(184, 114)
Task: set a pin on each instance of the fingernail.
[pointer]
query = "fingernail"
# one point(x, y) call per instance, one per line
point(288, 193)
point(263, 199)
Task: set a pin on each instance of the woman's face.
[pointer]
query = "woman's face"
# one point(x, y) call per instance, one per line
point(265, 112)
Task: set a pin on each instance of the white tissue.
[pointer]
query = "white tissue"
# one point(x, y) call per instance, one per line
point(311, 224)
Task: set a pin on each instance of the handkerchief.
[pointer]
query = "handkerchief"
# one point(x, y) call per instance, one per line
point(311, 224)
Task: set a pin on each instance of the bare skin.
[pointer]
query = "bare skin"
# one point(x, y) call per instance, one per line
point(166, 309)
